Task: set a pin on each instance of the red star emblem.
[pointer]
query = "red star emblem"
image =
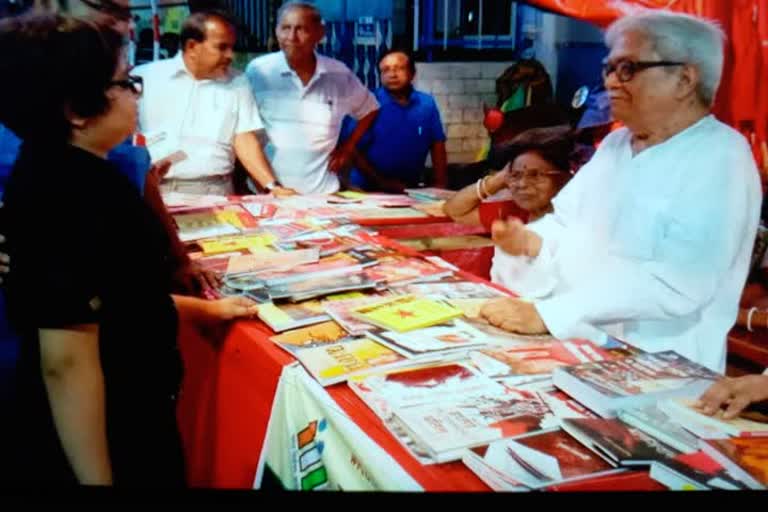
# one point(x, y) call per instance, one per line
point(404, 313)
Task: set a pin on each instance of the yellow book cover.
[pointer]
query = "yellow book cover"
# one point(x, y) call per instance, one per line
point(351, 194)
point(406, 313)
point(253, 243)
point(345, 296)
point(291, 316)
point(273, 315)
point(230, 217)
point(194, 226)
point(189, 221)
point(336, 362)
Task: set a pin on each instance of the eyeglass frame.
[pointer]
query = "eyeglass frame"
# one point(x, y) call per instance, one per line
point(635, 66)
point(130, 83)
point(516, 176)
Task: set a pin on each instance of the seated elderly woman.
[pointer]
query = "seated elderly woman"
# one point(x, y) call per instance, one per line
point(652, 238)
point(536, 165)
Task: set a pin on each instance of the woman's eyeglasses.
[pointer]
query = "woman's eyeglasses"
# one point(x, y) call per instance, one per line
point(133, 83)
point(516, 176)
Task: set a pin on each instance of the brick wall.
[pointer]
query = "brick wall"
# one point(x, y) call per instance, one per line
point(460, 88)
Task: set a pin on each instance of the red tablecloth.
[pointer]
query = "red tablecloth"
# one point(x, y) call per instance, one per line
point(227, 398)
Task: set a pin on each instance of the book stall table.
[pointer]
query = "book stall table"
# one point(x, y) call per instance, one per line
point(246, 403)
point(466, 247)
point(226, 403)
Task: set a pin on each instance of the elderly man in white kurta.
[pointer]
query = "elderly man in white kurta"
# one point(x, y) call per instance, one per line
point(652, 238)
point(203, 108)
point(303, 98)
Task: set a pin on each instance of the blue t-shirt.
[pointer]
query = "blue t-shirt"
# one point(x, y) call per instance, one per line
point(398, 142)
point(133, 161)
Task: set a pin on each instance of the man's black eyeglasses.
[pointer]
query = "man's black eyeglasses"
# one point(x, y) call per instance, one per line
point(626, 69)
point(132, 83)
point(117, 11)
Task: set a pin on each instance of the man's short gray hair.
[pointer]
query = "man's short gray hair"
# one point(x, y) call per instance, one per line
point(314, 12)
point(679, 37)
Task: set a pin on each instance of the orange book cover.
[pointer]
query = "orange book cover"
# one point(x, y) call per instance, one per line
point(745, 457)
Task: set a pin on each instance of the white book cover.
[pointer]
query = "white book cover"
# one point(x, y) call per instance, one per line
point(428, 384)
point(652, 420)
point(492, 477)
point(476, 419)
point(457, 335)
point(685, 413)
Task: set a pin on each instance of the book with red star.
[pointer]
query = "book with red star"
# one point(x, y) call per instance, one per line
point(406, 313)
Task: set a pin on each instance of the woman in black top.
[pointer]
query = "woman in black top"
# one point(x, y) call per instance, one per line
point(89, 290)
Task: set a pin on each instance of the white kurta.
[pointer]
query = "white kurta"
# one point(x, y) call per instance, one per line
point(658, 244)
point(517, 272)
point(303, 123)
point(519, 275)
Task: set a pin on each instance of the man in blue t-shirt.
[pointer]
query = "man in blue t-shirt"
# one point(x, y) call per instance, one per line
point(392, 153)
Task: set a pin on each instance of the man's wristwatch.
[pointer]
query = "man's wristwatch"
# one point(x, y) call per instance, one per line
point(272, 185)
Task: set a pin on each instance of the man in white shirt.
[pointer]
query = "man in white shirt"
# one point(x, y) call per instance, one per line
point(303, 98)
point(195, 103)
point(652, 238)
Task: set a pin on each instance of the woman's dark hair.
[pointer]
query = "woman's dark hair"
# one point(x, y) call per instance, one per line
point(555, 144)
point(53, 66)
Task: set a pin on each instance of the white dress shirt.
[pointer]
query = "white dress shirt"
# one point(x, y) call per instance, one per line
point(303, 123)
point(199, 117)
point(658, 243)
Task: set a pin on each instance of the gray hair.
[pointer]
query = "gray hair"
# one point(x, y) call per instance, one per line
point(314, 12)
point(679, 37)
